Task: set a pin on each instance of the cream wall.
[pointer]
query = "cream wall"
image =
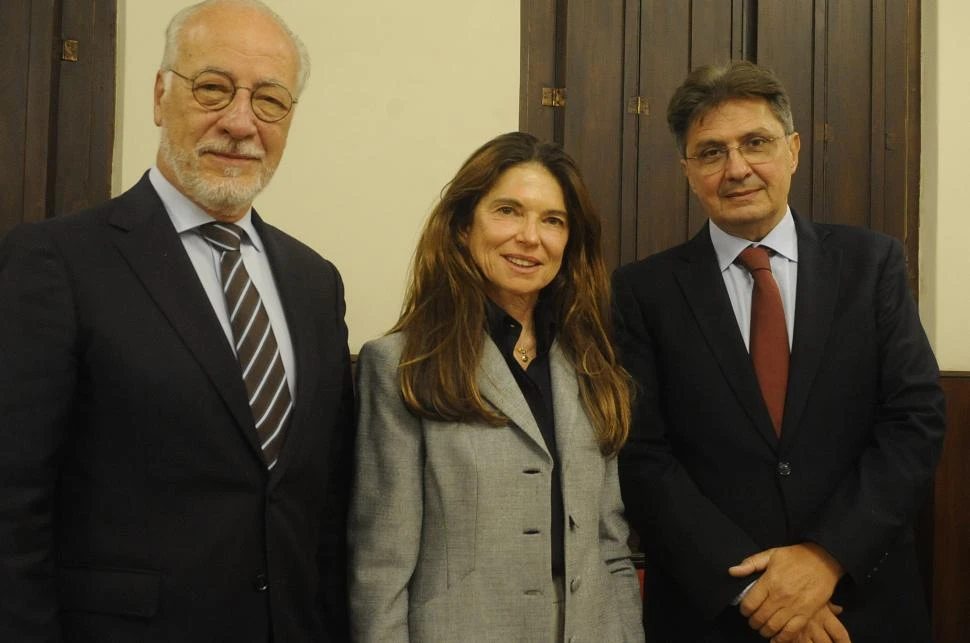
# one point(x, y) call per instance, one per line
point(945, 198)
point(400, 94)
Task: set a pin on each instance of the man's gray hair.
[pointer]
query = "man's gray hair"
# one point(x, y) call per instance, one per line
point(173, 35)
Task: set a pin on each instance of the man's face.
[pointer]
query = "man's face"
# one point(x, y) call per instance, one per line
point(222, 159)
point(746, 198)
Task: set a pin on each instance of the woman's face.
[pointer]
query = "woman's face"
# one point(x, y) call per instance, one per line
point(518, 234)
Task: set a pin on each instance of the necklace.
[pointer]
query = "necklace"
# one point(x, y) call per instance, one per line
point(523, 353)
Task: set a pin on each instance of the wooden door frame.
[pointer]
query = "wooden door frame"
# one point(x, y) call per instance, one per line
point(59, 115)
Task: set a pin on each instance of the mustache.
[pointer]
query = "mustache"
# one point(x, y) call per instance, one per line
point(233, 147)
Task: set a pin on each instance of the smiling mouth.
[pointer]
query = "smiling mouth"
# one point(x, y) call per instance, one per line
point(521, 262)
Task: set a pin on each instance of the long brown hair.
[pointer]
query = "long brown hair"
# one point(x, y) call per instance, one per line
point(443, 317)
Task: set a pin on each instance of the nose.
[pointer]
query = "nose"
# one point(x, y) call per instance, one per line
point(238, 119)
point(735, 165)
point(529, 230)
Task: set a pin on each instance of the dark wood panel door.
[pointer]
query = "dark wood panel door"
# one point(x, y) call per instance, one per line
point(852, 94)
point(56, 113)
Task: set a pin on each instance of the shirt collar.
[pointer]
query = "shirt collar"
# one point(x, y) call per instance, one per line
point(782, 239)
point(500, 323)
point(187, 215)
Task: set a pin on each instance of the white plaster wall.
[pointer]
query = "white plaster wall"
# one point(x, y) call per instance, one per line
point(945, 194)
point(400, 94)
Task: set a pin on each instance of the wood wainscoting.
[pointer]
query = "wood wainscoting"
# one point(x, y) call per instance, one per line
point(949, 518)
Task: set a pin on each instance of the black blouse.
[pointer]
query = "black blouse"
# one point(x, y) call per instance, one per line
point(536, 385)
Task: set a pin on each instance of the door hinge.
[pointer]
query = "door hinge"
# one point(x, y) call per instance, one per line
point(554, 96)
point(69, 49)
point(638, 105)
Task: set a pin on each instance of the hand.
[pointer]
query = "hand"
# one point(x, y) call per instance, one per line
point(824, 627)
point(798, 581)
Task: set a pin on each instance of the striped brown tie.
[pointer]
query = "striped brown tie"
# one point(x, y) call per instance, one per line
point(769, 333)
point(256, 348)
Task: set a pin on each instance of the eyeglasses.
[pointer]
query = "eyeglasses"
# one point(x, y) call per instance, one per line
point(755, 151)
point(214, 90)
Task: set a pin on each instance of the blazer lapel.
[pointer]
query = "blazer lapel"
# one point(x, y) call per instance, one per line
point(703, 288)
point(566, 404)
point(817, 290)
point(498, 386)
point(144, 235)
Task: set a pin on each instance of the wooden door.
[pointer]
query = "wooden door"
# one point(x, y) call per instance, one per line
point(855, 101)
point(57, 60)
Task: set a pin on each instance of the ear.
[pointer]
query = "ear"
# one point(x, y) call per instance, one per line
point(794, 146)
point(690, 180)
point(159, 93)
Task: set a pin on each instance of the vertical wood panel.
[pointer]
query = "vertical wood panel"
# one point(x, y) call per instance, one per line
point(710, 36)
point(951, 533)
point(629, 186)
point(902, 122)
point(848, 98)
point(785, 44)
point(595, 107)
point(40, 115)
point(662, 199)
point(26, 60)
point(537, 67)
point(85, 106)
point(14, 46)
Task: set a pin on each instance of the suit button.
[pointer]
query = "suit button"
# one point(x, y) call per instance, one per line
point(260, 583)
point(784, 469)
point(574, 584)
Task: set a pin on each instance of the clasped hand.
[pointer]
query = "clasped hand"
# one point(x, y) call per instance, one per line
point(790, 601)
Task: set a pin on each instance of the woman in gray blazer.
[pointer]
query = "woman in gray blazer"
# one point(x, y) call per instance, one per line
point(486, 505)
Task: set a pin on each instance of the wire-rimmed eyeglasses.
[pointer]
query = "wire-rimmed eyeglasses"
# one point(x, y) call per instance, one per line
point(754, 150)
point(214, 90)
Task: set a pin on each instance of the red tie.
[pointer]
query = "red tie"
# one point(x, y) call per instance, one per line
point(769, 333)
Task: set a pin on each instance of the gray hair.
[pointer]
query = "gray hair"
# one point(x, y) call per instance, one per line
point(173, 35)
point(707, 87)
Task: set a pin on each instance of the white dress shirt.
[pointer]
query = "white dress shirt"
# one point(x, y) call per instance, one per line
point(186, 216)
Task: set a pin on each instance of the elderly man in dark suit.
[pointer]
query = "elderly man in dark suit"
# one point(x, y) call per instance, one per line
point(789, 418)
point(175, 394)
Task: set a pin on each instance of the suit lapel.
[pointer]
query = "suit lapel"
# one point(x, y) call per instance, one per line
point(498, 386)
point(817, 290)
point(703, 288)
point(144, 235)
point(565, 404)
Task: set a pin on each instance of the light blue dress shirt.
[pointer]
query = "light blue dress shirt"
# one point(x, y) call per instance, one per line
point(186, 216)
point(783, 241)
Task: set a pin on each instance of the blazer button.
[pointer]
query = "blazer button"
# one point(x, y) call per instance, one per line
point(574, 584)
point(784, 469)
point(260, 583)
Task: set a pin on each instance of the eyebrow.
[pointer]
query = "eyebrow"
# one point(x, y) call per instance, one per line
point(258, 83)
point(755, 132)
point(510, 201)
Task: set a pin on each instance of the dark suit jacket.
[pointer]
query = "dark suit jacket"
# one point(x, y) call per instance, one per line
point(134, 505)
point(706, 482)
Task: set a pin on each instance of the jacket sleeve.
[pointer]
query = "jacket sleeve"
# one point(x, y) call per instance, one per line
point(883, 493)
point(614, 535)
point(675, 521)
point(38, 363)
point(386, 509)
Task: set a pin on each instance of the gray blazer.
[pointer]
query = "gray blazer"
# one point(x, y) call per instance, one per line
point(449, 522)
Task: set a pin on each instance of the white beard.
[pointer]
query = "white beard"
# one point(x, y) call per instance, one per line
point(228, 194)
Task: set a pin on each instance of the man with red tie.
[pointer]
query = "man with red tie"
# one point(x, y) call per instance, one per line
point(176, 408)
point(788, 418)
